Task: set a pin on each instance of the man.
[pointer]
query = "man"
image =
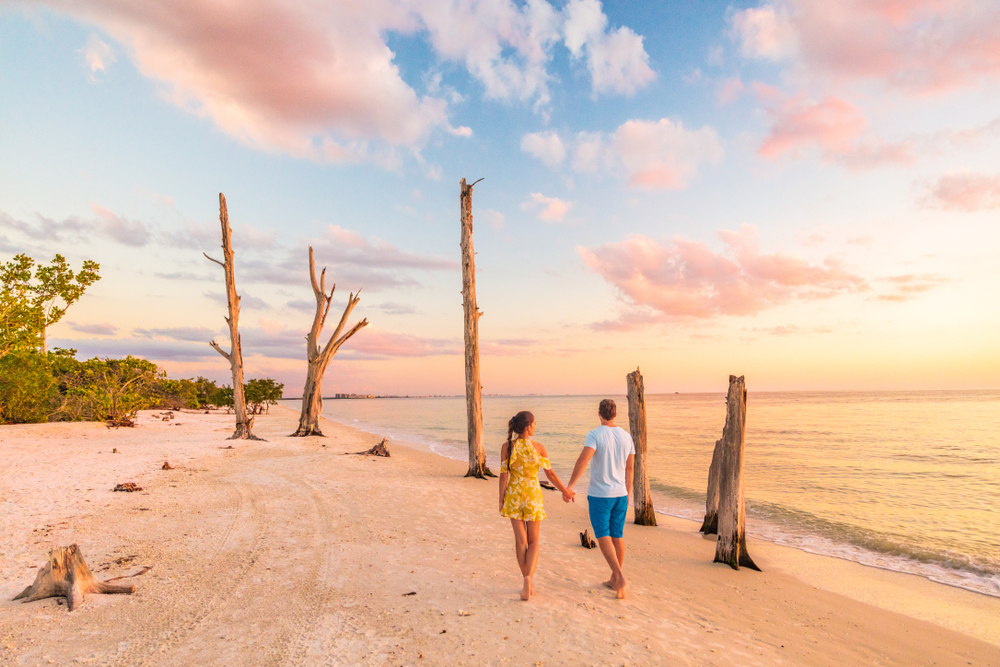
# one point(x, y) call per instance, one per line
point(613, 454)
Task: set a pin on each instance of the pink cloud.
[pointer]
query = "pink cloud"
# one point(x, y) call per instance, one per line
point(910, 286)
point(550, 209)
point(920, 46)
point(965, 191)
point(686, 279)
point(315, 80)
point(836, 127)
point(833, 123)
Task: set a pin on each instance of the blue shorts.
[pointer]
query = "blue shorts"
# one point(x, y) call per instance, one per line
point(607, 515)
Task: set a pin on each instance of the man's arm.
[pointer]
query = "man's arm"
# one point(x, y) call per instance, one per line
point(581, 465)
point(629, 473)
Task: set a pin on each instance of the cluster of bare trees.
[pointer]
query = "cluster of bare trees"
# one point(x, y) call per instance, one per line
point(317, 357)
point(725, 512)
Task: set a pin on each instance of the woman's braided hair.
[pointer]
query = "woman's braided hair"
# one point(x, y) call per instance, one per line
point(517, 424)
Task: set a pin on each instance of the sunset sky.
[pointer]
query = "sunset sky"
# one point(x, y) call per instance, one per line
point(802, 191)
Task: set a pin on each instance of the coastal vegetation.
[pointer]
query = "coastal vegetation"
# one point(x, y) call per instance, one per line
point(40, 386)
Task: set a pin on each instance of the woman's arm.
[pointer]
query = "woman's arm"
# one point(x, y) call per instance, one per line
point(553, 477)
point(504, 477)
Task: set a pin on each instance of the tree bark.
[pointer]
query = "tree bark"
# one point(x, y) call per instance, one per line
point(732, 545)
point(643, 502)
point(66, 575)
point(710, 526)
point(244, 423)
point(473, 385)
point(319, 357)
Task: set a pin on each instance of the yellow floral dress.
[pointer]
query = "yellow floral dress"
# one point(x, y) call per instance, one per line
point(523, 499)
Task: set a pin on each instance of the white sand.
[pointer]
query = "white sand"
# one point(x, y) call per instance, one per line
point(291, 553)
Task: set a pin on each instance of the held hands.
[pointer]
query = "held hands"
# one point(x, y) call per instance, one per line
point(569, 496)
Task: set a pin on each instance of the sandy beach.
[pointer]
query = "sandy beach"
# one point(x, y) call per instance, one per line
point(295, 552)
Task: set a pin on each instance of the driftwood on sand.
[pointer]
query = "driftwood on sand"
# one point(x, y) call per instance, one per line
point(586, 540)
point(378, 450)
point(66, 575)
point(732, 545)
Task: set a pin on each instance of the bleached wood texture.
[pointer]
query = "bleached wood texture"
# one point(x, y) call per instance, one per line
point(473, 385)
point(66, 575)
point(732, 545)
point(319, 357)
point(710, 526)
point(643, 502)
point(244, 422)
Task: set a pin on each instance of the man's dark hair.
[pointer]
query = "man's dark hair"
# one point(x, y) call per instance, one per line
point(607, 409)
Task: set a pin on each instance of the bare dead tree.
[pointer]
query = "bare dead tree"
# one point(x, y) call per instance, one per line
point(244, 423)
point(644, 515)
point(473, 384)
point(732, 545)
point(319, 358)
point(710, 526)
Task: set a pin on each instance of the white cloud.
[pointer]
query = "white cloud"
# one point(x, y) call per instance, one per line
point(617, 60)
point(546, 146)
point(651, 155)
point(764, 33)
point(97, 55)
point(549, 209)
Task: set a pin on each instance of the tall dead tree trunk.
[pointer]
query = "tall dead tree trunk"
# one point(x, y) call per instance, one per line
point(710, 526)
point(66, 575)
point(473, 385)
point(644, 515)
point(244, 422)
point(732, 545)
point(319, 357)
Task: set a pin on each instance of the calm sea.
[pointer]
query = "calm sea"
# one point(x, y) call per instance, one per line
point(907, 481)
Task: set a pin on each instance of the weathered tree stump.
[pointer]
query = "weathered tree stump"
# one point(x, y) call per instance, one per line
point(644, 515)
point(732, 545)
point(473, 384)
point(710, 526)
point(66, 575)
point(586, 540)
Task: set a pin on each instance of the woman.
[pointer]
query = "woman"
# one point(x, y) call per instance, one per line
point(520, 494)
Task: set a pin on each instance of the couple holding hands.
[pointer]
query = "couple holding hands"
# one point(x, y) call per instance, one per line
point(610, 451)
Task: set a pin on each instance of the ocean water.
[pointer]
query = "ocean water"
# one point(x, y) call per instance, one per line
point(906, 481)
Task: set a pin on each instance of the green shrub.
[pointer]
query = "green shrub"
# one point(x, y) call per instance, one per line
point(261, 394)
point(27, 388)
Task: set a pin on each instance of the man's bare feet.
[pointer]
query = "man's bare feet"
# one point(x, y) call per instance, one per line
point(610, 583)
point(526, 589)
point(619, 587)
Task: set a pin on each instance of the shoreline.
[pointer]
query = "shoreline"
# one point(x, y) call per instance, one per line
point(765, 531)
point(291, 551)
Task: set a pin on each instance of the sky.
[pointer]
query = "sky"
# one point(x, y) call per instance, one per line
point(802, 192)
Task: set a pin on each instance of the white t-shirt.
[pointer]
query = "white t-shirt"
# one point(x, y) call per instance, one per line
point(612, 447)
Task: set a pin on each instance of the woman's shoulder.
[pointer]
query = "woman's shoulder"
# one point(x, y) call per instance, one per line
point(539, 447)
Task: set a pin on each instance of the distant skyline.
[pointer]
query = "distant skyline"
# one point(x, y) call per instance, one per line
point(803, 192)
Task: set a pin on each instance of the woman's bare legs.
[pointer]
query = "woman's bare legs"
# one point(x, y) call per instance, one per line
point(526, 549)
point(531, 555)
point(520, 545)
